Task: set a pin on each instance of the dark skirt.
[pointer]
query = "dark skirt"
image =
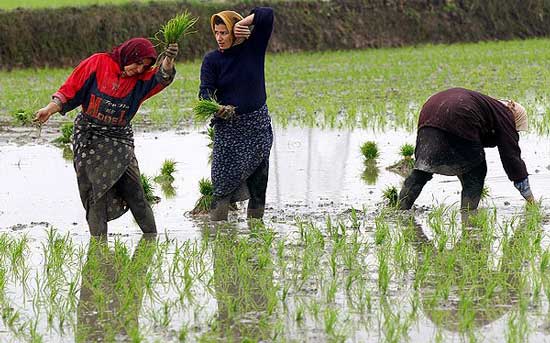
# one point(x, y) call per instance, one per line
point(102, 154)
point(240, 146)
point(440, 152)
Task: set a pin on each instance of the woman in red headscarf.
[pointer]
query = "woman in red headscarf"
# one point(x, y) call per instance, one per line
point(110, 87)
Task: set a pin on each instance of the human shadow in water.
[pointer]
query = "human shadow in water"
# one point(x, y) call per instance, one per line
point(243, 282)
point(112, 288)
point(465, 287)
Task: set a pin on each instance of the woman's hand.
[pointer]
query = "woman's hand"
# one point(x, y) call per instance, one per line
point(170, 54)
point(43, 114)
point(241, 31)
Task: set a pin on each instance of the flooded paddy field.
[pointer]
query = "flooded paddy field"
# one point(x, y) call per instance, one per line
point(330, 263)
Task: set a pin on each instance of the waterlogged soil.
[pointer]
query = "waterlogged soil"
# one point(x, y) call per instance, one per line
point(314, 174)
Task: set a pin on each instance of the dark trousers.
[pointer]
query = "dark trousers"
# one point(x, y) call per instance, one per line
point(257, 187)
point(130, 188)
point(472, 186)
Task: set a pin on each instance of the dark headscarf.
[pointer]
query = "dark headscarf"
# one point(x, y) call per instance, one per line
point(133, 51)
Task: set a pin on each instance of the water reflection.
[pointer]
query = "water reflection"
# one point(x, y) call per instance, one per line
point(243, 282)
point(466, 287)
point(112, 288)
point(371, 172)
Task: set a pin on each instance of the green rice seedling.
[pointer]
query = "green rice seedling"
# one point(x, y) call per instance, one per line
point(175, 29)
point(168, 168)
point(406, 150)
point(23, 117)
point(206, 190)
point(485, 193)
point(149, 189)
point(68, 154)
point(204, 109)
point(391, 196)
point(369, 150)
point(66, 133)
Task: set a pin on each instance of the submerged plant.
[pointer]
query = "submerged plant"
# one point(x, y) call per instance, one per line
point(66, 133)
point(391, 195)
point(205, 201)
point(369, 150)
point(148, 189)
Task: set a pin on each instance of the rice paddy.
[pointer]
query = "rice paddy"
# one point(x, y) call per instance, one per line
point(381, 89)
point(332, 262)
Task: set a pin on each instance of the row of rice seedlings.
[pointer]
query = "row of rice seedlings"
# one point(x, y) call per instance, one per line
point(386, 90)
point(259, 279)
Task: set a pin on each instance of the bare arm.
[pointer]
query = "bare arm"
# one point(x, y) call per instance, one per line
point(43, 114)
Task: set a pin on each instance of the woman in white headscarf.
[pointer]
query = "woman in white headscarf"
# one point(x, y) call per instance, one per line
point(454, 127)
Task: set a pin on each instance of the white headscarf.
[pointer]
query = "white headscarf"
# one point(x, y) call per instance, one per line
point(519, 112)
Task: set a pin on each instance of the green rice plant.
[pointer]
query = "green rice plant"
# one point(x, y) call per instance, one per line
point(168, 168)
point(210, 132)
point(66, 133)
point(205, 108)
point(485, 193)
point(23, 117)
point(206, 189)
point(406, 150)
point(369, 150)
point(391, 196)
point(149, 189)
point(175, 29)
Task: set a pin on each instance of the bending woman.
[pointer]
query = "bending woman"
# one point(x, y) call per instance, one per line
point(110, 87)
point(454, 127)
point(234, 75)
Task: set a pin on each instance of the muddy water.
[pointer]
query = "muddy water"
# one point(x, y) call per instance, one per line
point(313, 174)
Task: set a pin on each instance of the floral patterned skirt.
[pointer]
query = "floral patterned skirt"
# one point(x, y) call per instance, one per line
point(241, 144)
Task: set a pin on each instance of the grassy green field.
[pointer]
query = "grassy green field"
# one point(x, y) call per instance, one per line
point(378, 88)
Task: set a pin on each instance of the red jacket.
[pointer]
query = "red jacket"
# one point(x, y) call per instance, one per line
point(105, 96)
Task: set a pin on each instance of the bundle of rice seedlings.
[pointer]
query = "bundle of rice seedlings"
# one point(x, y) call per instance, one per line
point(407, 150)
point(205, 201)
point(23, 117)
point(205, 108)
point(66, 133)
point(148, 189)
point(391, 196)
point(176, 28)
point(166, 171)
point(369, 150)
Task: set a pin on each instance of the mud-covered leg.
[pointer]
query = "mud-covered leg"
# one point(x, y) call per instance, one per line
point(130, 188)
point(412, 187)
point(257, 186)
point(472, 186)
point(219, 208)
point(96, 215)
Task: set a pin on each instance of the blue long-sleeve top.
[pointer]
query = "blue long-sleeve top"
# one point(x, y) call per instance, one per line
point(235, 76)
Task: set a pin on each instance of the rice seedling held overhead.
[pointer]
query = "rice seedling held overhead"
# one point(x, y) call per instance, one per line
point(175, 29)
point(206, 190)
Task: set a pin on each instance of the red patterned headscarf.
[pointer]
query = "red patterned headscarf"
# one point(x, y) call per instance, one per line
point(133, 51)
